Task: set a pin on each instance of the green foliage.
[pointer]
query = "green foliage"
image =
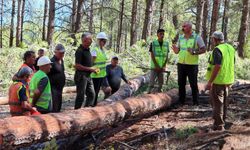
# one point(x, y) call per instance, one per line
point(242, 67)
point(51, 145)
point(186, 132)
point(247, 47)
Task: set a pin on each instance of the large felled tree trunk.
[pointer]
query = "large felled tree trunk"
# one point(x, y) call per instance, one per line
point(243, 28)
point(19, 22)
point(133, 33)
point(148, 19)
point(44, 127)
point(45, 14)
point(51, 23)
point(119, 35)
point(199, 15)
point(12, 23)
point(215, 16)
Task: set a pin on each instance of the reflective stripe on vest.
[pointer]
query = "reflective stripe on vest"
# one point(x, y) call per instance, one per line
point(160, 53)
point(184, 56)
point(14, 99)
point(226, 73)
point(100, 63)
point(45, 98)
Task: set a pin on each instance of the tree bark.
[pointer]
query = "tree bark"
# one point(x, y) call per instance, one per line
point(79, 16)
point(148, 19)
point(73, 15)
point(40, 128)
point(225, 18)
point(111, 34)
point(51, 23)
point(101, 17)
point(215, 16)
point(204, 21)
point(12, 22)
point(161, 14)
point(91, 17)
point(243, 28)
point(199, 15)
point(1, 32)
point(175, 21)
point(19, 22)
point(45, 14)
point(119, 35)
point(133, 33)
point(23, 9)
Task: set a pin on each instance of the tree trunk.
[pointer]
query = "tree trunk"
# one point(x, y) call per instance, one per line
point(133, 33)
point(42, 128)
point(119, 35)
point(225, 18)
point(12, 22)
point(199, 15)
point(161, 15)
point(44, 19)
point(204, 21)
point(175, 21)
point(79, 16)
point(215, 16)
point(51, 23)
point(73, 15)
point(111, 34)
point(91, 17)
point(19, 22)
point(101, 17)
point(1, 32)
point(23, 9)
point(243, 28)
point(148, 19)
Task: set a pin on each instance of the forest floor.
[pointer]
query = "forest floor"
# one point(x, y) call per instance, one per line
point(178, 127)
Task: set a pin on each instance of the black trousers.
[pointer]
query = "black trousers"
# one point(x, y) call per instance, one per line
point(56, 98)
point(97, 86)
point(84, 86)
point(190, 71)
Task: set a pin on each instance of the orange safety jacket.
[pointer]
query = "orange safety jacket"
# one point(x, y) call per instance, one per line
point(14, 102)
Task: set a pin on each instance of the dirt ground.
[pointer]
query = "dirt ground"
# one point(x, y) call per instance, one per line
point(178, 127)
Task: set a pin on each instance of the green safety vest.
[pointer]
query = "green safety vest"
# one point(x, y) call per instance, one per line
point(184, 55)
point(100, 63)
point(45, 98)
point(160, 53)
point(226, 72)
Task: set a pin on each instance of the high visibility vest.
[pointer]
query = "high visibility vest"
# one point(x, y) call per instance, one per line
point(45, 98)
point(14, 100)
point(160, 53)
point(184, 55)
point(226, 73)
point(99, 63)
point(34, 70)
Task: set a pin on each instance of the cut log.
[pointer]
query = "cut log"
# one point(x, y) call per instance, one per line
point(24, 130)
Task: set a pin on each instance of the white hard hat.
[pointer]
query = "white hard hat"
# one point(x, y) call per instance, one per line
point(44, 60)
point(102, 35)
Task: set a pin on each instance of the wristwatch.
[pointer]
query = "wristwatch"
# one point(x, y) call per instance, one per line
point(194, 52)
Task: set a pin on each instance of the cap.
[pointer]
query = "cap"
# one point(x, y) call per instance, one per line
point(115, 57)
point(160, 30)
point(24, 71)
point(218, 35)
point(102, 35)
point(42, 49)
point(44, 60)
point(60, 48)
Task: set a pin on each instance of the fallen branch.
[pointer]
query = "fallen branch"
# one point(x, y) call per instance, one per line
point(125, 144)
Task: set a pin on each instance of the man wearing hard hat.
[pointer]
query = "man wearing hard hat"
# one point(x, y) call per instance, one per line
point(99, 59)
point(40, 89)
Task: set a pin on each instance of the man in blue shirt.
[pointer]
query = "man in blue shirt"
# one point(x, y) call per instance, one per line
point(115, 73)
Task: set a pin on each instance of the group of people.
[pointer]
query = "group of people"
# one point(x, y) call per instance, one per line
point(38, 85)
point(220, 71)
